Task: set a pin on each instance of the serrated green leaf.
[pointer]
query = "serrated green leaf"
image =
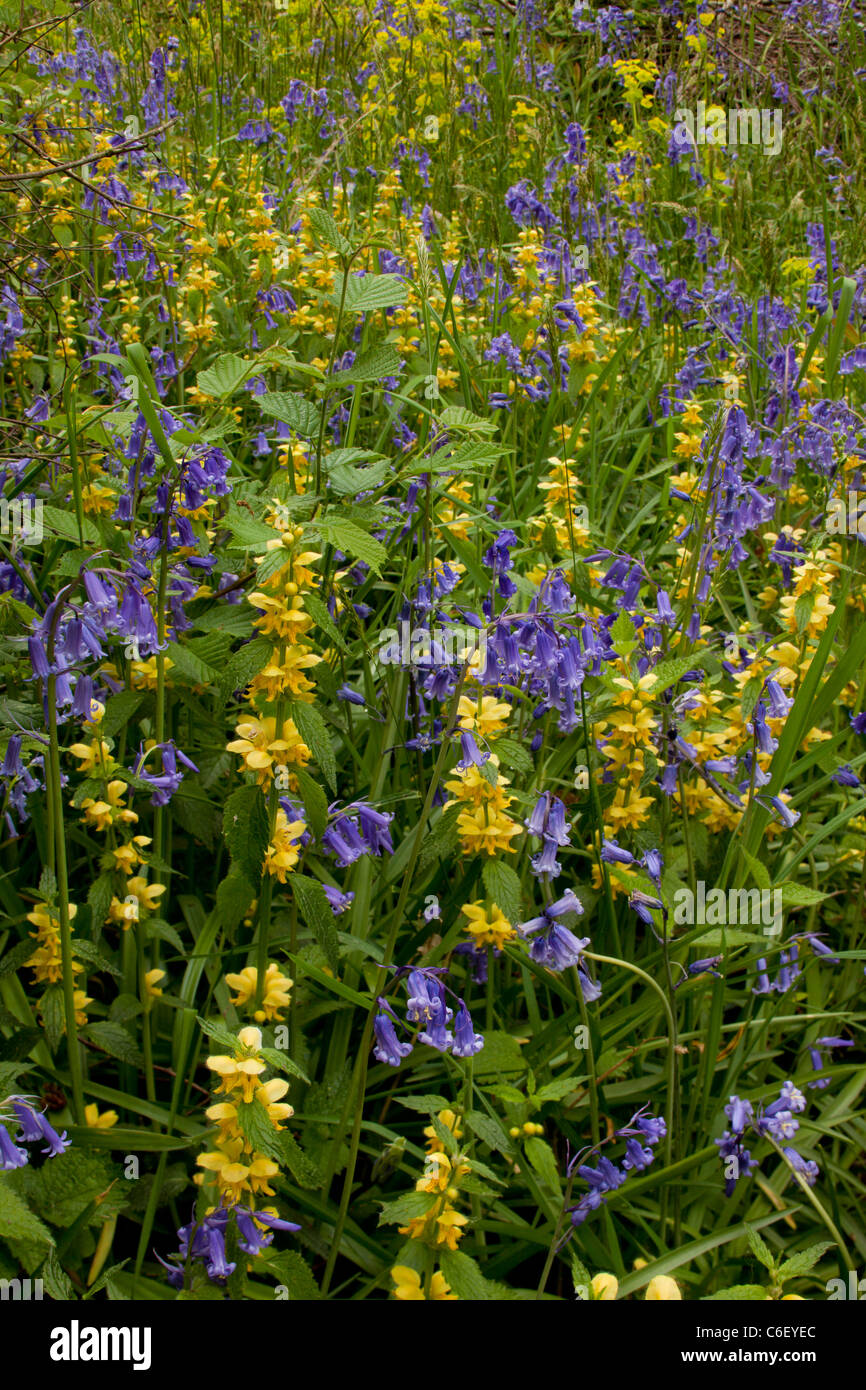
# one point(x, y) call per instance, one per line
point(490, 1131)
point(225, 375)
point(314, 731)
point(406, 1208)
point(346, 536)
point(379, 362)
point(503, 886)
point(293, 410)
point(803, 1261)
point(759, 1247)
point(365, 293)
point(246, 831)
point(316, 912)
point(114, 1039)
point(327, 231)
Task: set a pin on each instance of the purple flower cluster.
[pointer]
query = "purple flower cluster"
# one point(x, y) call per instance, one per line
point(641, 1135)
point(29, 1127)
point(776, 1121)
point(205, 1240)
point(426, 1006)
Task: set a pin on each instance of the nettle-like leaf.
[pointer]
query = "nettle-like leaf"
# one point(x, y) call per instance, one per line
point(365, 293)
point(246, 831)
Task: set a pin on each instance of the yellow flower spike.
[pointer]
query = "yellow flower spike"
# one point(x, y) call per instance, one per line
point(662, 1289)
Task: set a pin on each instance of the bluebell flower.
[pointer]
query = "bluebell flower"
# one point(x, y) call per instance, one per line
point(11, 1156)
point(388, 1047)
point(466, 1041)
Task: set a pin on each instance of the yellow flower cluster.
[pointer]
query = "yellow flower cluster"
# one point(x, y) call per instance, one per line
point(441, 1223)
point(241, 1172)
point(482, 823)
point(488, 925)
point(47, 961)
point(275, 996)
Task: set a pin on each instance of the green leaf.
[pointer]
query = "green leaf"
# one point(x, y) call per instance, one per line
point(368, 292)
point(490, 1131)
point(57, 1283)
point(350, 482)
point(541, 1156)
point(622, 635)
point(741, 1293)
point(379, 362)
point(501, 1056)
point(426, 1105)
point(115, 1040)
point(749, 697)
point(234, 897)
point(557, 1090)
point(219, 1033)
point(514, 756)
point(15, 958)
point(314, 731)
point(803, 1261)
point(99, 896)
point(406, 1207)
point(247, 533)
point(316, 912)
point(17, 1221)
point(91, 955)
point(503, 886)
point(293, 410)
point(246, 831)
point(326, 230)
point(319, 612)
point(315, 802)
point(244, 664)
point(53, 1015)
point(727, 936)
point(800, 895)
point(667, 673)
point(190, 668)
point(299, 1164)
point(63, 524)
point(279, 1061)
point(292, 1271)
point(759, 1248)
point(457, 417)
point(224, 376)
point(346, 536)
point(759, 871)
point(466, 1280)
